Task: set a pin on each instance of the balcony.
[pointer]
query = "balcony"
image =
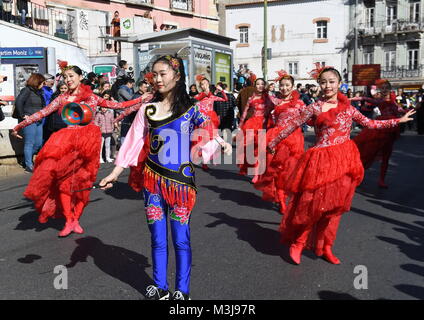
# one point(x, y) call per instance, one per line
point(182, 6)
point(396, 26)
point(56, 23)
point(402, 72)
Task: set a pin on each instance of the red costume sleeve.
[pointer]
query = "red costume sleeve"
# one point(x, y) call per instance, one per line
point(289, 122)
point(373, 124)
point(52, 107)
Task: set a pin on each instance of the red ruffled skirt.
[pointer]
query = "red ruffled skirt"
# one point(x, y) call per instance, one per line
point(250, 140)
point(374, 144)
point(321, 185)
point(136, 177)
point(280, 165)
point(69, 161)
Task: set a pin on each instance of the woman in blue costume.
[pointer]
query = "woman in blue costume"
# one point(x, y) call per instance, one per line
point(160, 140)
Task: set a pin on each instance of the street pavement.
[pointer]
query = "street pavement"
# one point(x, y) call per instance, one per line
point(235, 241)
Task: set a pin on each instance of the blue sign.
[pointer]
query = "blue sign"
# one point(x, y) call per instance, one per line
point(344, 87)
point(22, 53)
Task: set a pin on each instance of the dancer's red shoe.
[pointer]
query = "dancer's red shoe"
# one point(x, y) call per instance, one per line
point(69, 226)
point(329, 256)
point(77, 228)
point(296, 252)
point(205, 167)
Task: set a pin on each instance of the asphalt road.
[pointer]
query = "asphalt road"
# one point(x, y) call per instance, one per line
point(235, 240)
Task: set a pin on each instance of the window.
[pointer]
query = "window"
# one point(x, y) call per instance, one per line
point(182, 4)
point(368, 57)
point(294, 68)
point(369, 17)
point(391, 14)
point(390, 57)
point(414, 11)
point(368, 54)
point(244, 35)
point(322, 30)
point(413, 48)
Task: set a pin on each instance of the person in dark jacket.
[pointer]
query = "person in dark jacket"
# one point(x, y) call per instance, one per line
point(128, 120)
point(225, 109)
point(54, 121)
point(29, 101)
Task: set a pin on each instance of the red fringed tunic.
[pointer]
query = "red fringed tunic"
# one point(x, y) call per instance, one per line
point(324, 180)
point(69, 160)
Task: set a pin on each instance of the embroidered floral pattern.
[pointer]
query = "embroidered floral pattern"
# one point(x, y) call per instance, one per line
point(181, 214)
point(153, 213)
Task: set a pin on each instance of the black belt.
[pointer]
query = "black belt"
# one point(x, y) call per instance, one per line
point(176, 176)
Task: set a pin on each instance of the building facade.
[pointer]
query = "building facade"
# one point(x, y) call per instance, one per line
point(300, 33)
point(389, 33)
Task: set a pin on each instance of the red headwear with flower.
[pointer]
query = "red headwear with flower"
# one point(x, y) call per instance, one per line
point(282, 74)
point(149, 77)
point(319, 69)
point(200, 77)
point(63, 65)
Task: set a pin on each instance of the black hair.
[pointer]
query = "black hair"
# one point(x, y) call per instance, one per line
point(91, 76)
point(181, 99)
point(256, 81)
point(77, 70)
point(128, 80)
point(333, 70)
point(122, 63)
point(107, 92)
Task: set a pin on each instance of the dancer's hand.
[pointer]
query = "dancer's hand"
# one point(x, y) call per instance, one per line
point(15, 134)
point(146, 97)
point(227, 148)
point(107, 183)
point(407, 115)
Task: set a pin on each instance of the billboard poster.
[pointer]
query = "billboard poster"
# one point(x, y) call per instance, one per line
point(203, 63)
point(223, 68)
point(7, 88)
point(107, 70)
point(365, 74)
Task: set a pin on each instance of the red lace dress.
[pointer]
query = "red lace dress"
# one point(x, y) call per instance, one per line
point(377, 144)
point(324, 180)
point(260, 106)
point(69, 160)
point(287, 152)
point(206, 105)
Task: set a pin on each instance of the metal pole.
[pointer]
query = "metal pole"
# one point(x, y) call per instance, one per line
point(355, 58)
point(265, 58)
point(355, 61)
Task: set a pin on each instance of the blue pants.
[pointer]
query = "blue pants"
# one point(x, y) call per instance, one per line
point(33, 140)
point(157, 211)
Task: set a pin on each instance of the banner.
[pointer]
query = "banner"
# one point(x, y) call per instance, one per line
point(223, 68)
point(203, 63)
point(365, 74)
